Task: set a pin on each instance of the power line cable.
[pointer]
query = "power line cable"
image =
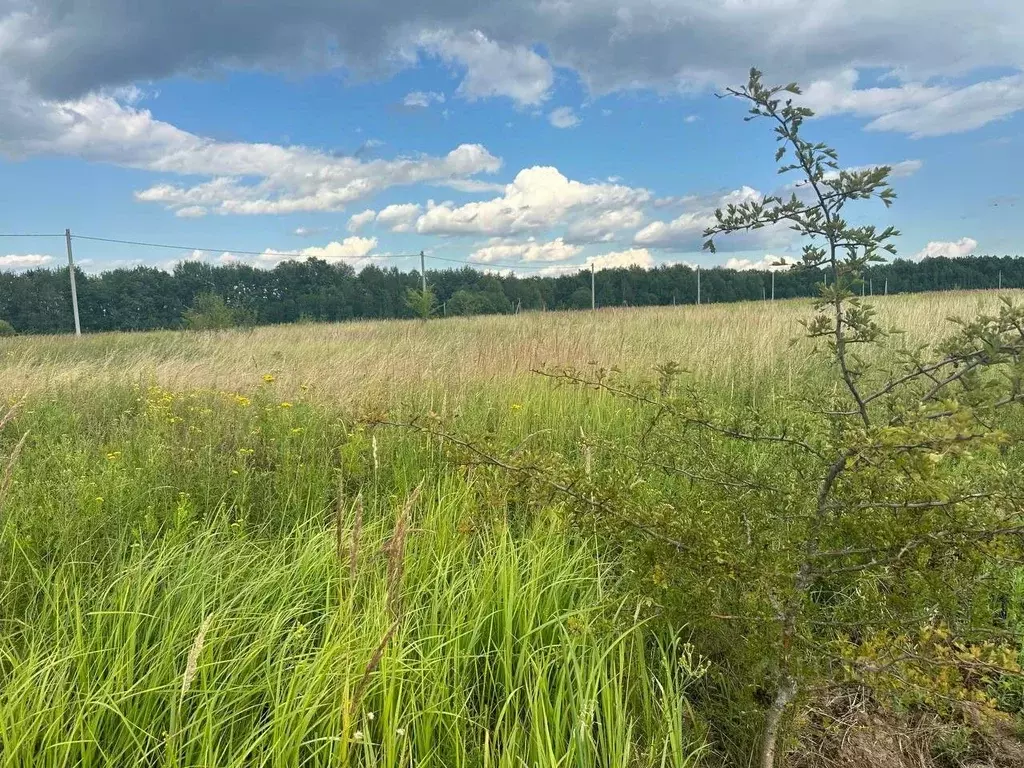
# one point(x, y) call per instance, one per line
point(222, 250)
point(33, 234)
point(268, 252)
point(294, 253)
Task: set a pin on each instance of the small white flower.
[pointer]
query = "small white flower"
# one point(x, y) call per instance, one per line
point(400, 731)
point(357, 736)
point(369, 715)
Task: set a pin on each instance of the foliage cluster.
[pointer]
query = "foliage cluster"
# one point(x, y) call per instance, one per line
point(209, 312)
point(422, 302)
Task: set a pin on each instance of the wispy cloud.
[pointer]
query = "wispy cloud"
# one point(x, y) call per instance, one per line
point(563, 117)
point(422, 99)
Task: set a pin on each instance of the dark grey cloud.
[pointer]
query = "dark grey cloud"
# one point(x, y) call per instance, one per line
point(69, 69)
point(65, 48)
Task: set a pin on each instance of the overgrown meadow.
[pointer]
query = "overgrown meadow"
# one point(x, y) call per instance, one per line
point(216, 554)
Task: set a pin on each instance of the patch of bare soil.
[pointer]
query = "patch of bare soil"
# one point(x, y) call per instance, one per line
point(850, 731)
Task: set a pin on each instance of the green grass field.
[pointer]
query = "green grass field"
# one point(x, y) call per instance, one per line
point(209, 558)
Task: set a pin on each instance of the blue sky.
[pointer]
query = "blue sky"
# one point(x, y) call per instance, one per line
point(540, 136)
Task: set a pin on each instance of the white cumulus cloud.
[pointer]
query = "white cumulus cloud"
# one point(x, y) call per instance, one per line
point(917, 108)
point(24, 261)
point(529, 251)
point(965, 246)
point(242, 178)
point(351, 250)
point(604, 226)
point(633, 257)
point(400, 217)
point(686, 231)
point(492, 68)
point(538, 198)
point(768, 263)
point(359, 220)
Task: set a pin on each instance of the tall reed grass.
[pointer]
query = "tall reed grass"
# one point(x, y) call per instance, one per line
point(207, 561)
point(211, 578)
point(740, 345)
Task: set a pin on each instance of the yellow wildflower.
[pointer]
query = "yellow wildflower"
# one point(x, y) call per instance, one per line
point(286, 405)
point(268, 377)
point(659, 576)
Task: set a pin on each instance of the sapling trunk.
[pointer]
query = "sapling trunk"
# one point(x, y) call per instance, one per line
point(773, 720)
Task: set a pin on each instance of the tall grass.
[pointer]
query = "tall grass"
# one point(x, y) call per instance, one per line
point(212, 648)
point(191, 579)
point(739, 345)
point(207, 561)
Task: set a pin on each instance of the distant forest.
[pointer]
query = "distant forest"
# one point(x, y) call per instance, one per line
point(146, 298)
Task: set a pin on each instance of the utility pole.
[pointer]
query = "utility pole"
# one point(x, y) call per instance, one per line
point(74, 288)
point(698, 284)
point(423, 273)
point(773, 285)
point(871, 286)
point(593, 288)
point(887, 286)
point(1000, 280)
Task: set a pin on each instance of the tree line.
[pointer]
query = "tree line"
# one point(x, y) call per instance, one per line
point(147, 298)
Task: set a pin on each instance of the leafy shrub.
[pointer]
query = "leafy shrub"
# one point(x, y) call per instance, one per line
point(209, 312)
point(6, 329)
point(422, 303)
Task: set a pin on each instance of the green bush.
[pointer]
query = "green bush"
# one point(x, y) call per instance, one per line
point(465, 302)
point(6, 329)
point(209, 312)
point(423, 304)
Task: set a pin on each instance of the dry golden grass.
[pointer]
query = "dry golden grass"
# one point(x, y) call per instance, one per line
point(723, 344)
